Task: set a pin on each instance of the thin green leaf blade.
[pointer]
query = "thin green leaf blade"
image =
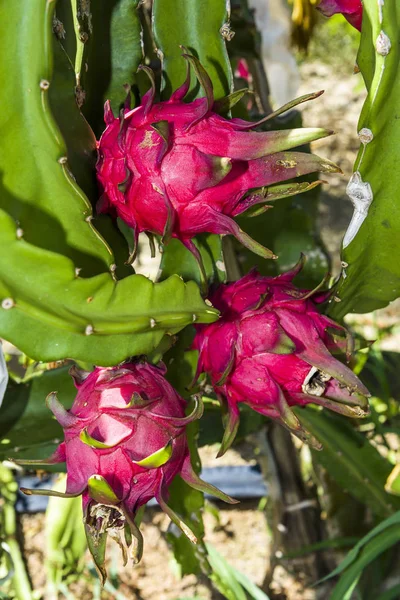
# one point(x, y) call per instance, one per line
point(391, 594)
point(381, 542)
point(223, 576)
point(351, 459)
point(352, 556)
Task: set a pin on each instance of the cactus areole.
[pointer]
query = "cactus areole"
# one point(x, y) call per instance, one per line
point(273, 350)
point(178, 169)
point(124, 443)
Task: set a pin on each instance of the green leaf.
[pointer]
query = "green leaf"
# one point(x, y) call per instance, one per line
point(231, 582)
point(350, 459)
point(196, 26)
point(371, 550)
point(393, 481)
point(380, 374)
point(353, 555)
point(373, 272)
point(27, 427)
point(335, 543)
point(251, 588)
point(65, 538)
point(51, 305)
point(224, 576)
point(14, 577)
point(391, 594)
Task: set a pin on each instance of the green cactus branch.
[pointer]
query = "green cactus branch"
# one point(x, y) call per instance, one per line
point(176, 24)
point(371, 277)
point(58, 292)
point(202, 28)
point(111, 53)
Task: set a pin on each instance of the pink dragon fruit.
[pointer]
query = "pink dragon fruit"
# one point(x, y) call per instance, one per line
point(242, 70)
point(350, 9)
point(179, 169)
point(271, 349)
point(124, 443)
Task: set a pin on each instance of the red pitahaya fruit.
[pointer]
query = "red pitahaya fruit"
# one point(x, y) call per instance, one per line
point(124, 443)
point(272, 349)
point(350, 9)
point(242, 70)
point(179, 169)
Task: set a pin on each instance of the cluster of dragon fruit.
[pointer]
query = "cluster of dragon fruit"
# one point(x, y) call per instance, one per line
point(176, 169)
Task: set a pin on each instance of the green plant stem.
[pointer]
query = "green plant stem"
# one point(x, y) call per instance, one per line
point(20, 580)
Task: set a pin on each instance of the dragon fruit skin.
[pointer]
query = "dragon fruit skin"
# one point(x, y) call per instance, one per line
point(350, 9)
point(271, 349)
point(124, 442)
point(179, 169)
